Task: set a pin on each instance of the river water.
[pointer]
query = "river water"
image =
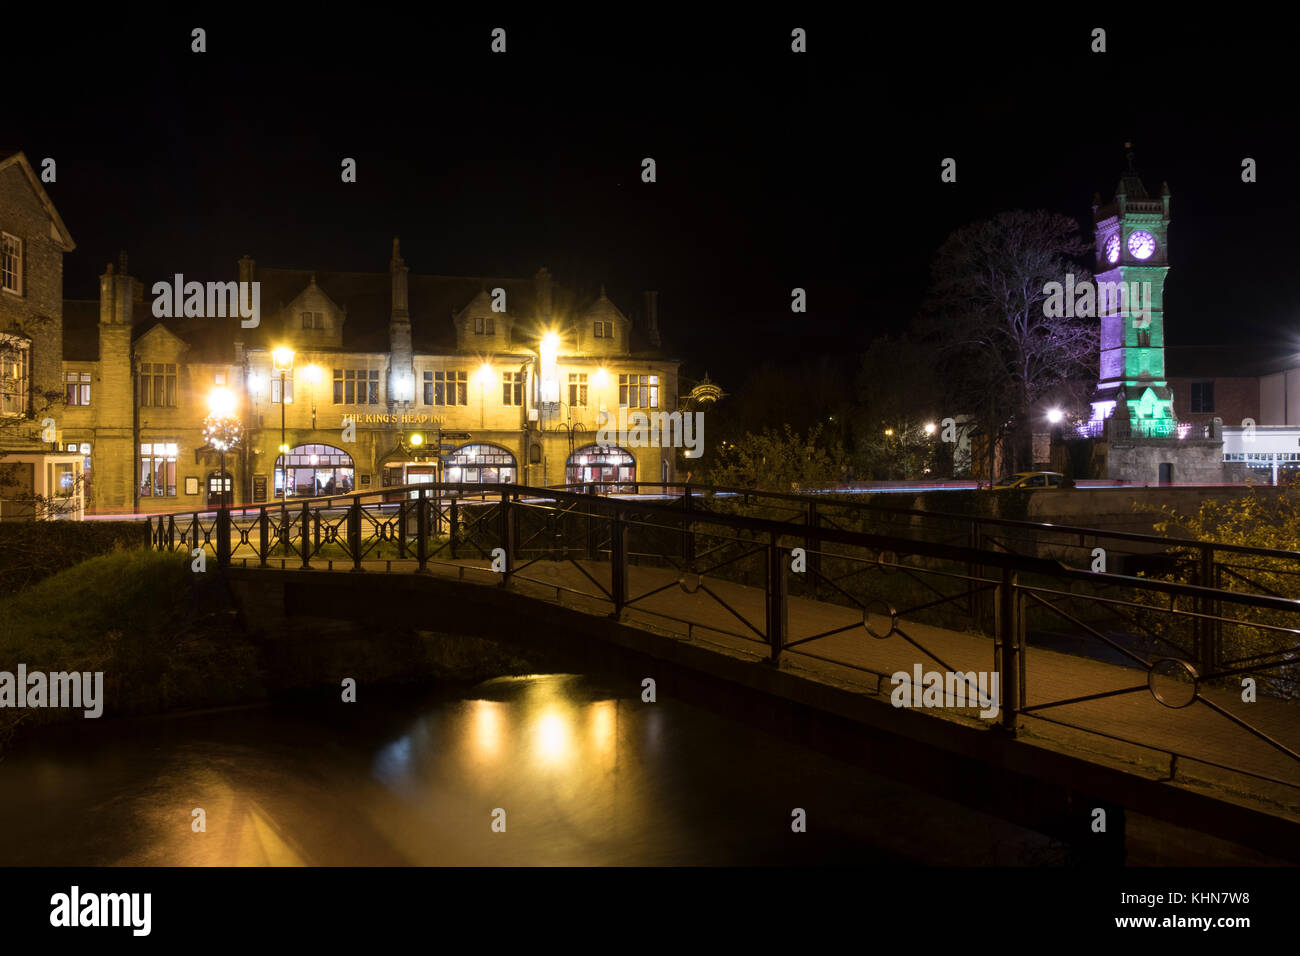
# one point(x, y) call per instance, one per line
point(550, 769)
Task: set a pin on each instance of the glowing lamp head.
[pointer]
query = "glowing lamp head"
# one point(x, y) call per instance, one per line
point(930, 428)
point(313, 374)
point(415, 440)
point(889, 433)
point(1055, 416)
point(283, 358)
point(600, 378)
point(221, 402)
point(484, 374)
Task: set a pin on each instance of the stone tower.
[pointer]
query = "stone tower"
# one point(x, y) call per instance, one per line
point(1132, 261)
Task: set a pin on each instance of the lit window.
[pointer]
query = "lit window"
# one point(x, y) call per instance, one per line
point(603, 330)
point(288, 389)
point(158, 469)
point(11, 263)
point(449, 388)
point(485, 325)
point(15, 375)
point(355, 386)
point(638, 391)
point(157, 384)
point(76, 388)
point(313, 320)
point(577, 389)
point(512, 388)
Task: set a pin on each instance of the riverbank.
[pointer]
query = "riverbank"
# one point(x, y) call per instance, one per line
point(167, 639)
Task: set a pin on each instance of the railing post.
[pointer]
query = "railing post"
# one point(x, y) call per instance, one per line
point(508, 535)
point(422, 533)
point(171, 532)
point(401, 526)
point(354, 532)
point(223, 536)
point(1010, 629)
point(306, 535)
point(778, 608)
point(618, 560)
point(589, 507)
point(453, 522)
point(688, 529)
point(1206, 656)
point(264, 536)
point(812, 546)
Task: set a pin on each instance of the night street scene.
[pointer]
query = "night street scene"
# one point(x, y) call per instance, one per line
point(733, 446)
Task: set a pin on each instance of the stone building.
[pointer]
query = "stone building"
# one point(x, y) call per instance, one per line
point(369, 379)
point(36, 477)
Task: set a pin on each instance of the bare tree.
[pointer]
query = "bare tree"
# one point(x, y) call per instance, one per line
point(997, 352)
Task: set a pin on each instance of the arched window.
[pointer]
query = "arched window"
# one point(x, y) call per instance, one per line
point(613, 469)
point(315, 470)
point(480, 464)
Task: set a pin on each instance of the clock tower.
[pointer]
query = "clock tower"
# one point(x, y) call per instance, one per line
point(1132, 260)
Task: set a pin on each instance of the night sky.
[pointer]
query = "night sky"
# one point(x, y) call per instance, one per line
point(775, 170)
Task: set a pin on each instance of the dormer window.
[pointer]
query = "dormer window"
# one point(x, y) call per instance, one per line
point(603, 330)
point(485, 325)
point(313, 320)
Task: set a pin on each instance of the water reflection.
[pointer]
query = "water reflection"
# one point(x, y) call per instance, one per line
point(585, 772)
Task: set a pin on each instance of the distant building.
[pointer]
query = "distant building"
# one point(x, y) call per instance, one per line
point(37, 479)
point(507, 375)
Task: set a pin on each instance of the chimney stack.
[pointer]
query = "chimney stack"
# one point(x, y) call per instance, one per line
point(652, 318)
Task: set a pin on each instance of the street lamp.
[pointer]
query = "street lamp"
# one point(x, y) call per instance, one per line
point(1055, 416)
point(283, 363)
point(222, 430)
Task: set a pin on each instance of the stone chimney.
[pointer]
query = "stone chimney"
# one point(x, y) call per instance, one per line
point(542, 291)
point(116, 298)
point(401, 382)
point(652, 318)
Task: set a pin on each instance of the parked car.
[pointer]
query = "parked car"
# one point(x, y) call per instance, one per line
point(1032, 479)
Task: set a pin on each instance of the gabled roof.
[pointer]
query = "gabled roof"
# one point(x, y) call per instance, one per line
point(19, 159)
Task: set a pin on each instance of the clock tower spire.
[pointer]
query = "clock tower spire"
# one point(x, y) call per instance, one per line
point(1132, 261)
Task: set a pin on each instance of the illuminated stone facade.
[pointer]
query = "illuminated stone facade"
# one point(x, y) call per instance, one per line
point(507, 375)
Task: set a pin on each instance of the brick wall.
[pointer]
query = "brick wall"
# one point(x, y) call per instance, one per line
point(1234, 399)
point(38, 312)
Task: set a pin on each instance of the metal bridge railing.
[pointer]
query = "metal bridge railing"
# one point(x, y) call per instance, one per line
point(1132, 654)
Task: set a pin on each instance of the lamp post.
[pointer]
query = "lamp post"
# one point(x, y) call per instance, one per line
point(283, 359)
point(313, 379)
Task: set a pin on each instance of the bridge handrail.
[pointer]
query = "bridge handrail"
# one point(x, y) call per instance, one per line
point(873, 542)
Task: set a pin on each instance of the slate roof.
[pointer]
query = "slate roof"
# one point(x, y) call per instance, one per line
point(366, 297)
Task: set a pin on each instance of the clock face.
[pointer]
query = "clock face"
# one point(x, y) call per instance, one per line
point(1141, 244)
point(1112, 249)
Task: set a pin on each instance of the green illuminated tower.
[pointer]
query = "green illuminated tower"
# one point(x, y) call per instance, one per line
point(1133, 255)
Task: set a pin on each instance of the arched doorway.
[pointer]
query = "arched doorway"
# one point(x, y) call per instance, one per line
point(217, 484)
point(612, 469)
point(315, 470)
point(480, 464)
